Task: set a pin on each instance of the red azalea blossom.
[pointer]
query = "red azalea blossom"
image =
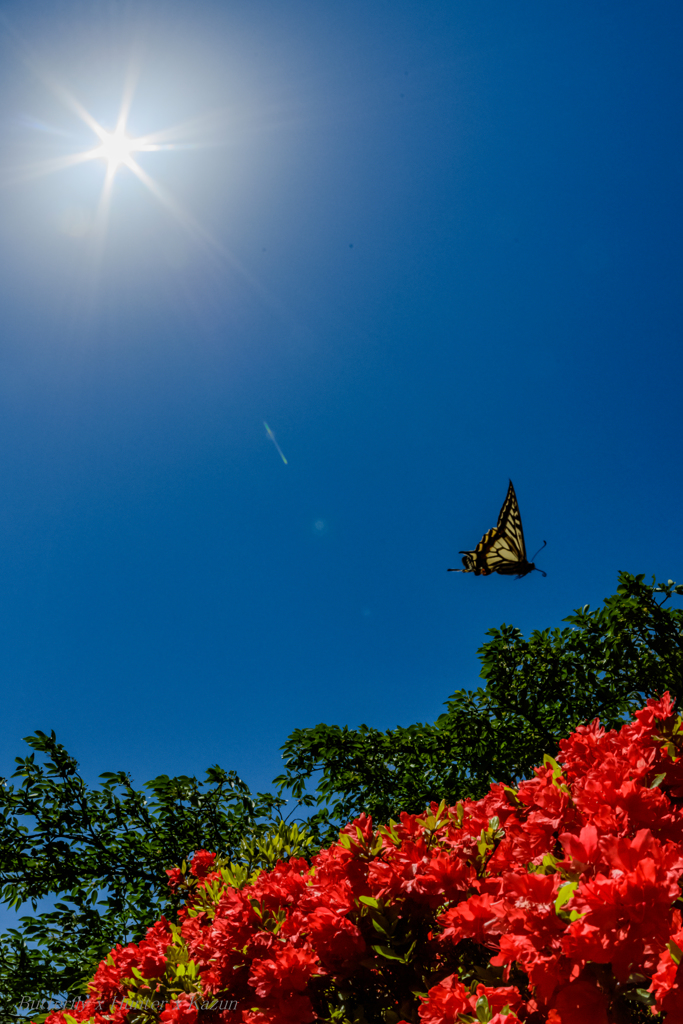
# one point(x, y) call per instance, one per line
point(580, 1002)
point(202, 863)
point(175, 878)
point(445, 1001)
point(181, 1011)
point(290, 972)
point(338, 942)
point(563, 893)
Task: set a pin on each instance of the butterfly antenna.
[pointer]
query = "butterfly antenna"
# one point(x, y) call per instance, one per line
point(538, 553)
point(534, 559)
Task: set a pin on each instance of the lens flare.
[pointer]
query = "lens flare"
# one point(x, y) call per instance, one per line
point(271, 435)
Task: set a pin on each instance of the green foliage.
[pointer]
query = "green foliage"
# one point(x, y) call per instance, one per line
point(98, 858)
point(602, 665)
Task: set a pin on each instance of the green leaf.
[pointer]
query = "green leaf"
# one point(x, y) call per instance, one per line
point(483, 1010)
point(676, 953)
point(389, 954)
point(565, 893)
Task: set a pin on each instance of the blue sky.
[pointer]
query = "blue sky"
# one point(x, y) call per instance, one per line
point(434, 246)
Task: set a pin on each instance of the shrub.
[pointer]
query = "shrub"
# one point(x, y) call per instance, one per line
point(557, 902)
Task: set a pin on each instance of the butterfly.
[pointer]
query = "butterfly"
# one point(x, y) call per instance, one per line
point(502, 549)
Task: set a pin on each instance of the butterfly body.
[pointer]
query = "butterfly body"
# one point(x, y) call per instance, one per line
point(501, 549)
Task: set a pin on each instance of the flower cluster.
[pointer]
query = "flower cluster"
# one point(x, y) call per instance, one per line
point(554, 902)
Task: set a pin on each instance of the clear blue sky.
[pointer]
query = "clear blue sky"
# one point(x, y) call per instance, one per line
point(434, 246)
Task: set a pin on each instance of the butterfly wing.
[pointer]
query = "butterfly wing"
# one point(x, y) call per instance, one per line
point(501, 549)
point(477, 561)
point(509, 529)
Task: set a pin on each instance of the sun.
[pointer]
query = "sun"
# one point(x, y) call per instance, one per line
point(116, 148)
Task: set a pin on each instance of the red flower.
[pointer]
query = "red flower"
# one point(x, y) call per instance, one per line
point(337, 941)
point(175, 878)
point(181, 1011)
point(583, 849)
point(666, 984)
point(383, 911)
point(202, 863)
point(288, 972)
point(445, 1001)
point(582, 1002)
point(477, 918)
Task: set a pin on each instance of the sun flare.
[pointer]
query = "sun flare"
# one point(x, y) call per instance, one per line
point(117, 150)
